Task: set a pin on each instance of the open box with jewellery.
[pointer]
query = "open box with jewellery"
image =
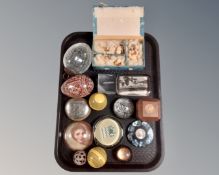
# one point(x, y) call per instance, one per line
point(108, 119)
point(118, 41)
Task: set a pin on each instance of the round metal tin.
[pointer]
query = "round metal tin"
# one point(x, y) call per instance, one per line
point(107, 132)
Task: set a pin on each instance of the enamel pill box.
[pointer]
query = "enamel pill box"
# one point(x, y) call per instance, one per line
point(118, 41)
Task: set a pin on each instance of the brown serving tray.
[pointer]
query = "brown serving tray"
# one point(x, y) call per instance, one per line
point(144, 159)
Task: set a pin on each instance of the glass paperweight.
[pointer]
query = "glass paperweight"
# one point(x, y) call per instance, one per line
point(124, 153)
point(77, 86)
point(77, 109)
point(123, 108)
point(77, 59)
point(78, 135)
point(140, 134)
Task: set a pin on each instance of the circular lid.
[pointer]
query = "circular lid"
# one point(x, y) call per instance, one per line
point(107, 132)
point(77, 109)
point(77, 58)
point(78, 135)
point(123, 108)
point(98, 101)
point(140, 134)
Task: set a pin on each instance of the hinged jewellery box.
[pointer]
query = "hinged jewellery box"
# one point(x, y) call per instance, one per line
point(118, 41)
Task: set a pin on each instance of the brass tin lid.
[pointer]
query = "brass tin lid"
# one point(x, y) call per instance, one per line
point(107, 132)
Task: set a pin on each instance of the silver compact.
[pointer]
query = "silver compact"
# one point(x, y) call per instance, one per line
point(123, 108)
point(77, 59)
point(77, 109)
point(134, 85)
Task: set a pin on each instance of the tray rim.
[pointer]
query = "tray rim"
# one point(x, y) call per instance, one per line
point(157, 162)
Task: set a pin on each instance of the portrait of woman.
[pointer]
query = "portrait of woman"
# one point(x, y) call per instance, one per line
point(78, 135)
